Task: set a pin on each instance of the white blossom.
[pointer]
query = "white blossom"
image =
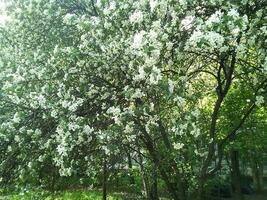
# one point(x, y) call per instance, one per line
point(233, 13)
point(16, 138)
point(151, 106)
point(187, 22)
point(9, 148)
point(30, 165)
point(116, 112)
point(259, 100)
point(87, 129)
point(265, 65)
point(129, 128)
point(68, 18)
point(155, 75)
point(138, 40)
point(41, 158)
point(178, 145)
point(141, 74)
point(53, 113)
point(136, 17)
point(41, 100)
point(171, 86)
point(138, 94)
point(61, 149)
point(153, 4)
point(214, 18)
point(183, 3)
point(16, 118)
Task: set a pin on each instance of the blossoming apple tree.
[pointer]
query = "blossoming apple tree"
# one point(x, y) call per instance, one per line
point(82, 79)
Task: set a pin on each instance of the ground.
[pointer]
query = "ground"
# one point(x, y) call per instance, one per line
point(257, 197)
point(96, 195)
point(262, 196)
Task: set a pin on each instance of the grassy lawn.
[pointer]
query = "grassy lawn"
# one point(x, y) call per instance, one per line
point(66, 195)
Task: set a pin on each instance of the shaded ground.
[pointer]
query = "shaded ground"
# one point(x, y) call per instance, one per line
point(95, 195)
point(262, 196)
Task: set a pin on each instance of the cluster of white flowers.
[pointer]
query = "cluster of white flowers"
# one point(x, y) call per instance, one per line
point(41, 158)
point(62, 151)
point(199, 40)
point(259, 100)
point(178, 145)
point(183, 3)
point(129, 128)
point(233, 13)
point(41, 100)
point(138, 40)
point(180, 101)
point(150, 61)
point(265, 65)
point(141, 74)
point(17, 138)
point(151, 123)
point(214, 18)
point(116, 113)
point(187, 22)
point(198, 153)
point(171, 85)
point(108, 9)
point(195, 130)
point(73, 104)
point(155, 76)
point(88, 130)
point(54, 113)
point(215, 39)
point(65, 171)
point(153, 4)
point(16, 118)
point(137, 94)
point(136, 17)
point(69, 18)
point(72, 126)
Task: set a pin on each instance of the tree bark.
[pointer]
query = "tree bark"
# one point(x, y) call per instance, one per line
point(200, 190)
point(154, 185)
point(236, 177)
point(144, 177)
point(173, 181)
point(257, 174)
point(167, 168)
point(104, 181)
point(130, 167)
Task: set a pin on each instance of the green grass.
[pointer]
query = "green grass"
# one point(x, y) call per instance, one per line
point(66, 195)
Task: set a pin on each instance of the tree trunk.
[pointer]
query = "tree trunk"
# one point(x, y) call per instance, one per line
point(144, 177)
point(154, 185)
point(257, 174)
point(104, 181)
point(130, 167)
point(168, 169)
point(171, 176)
point(173, 183)
point(200, 190)
point(236, 177)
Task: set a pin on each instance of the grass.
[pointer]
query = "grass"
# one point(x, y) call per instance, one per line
point(65, 195)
